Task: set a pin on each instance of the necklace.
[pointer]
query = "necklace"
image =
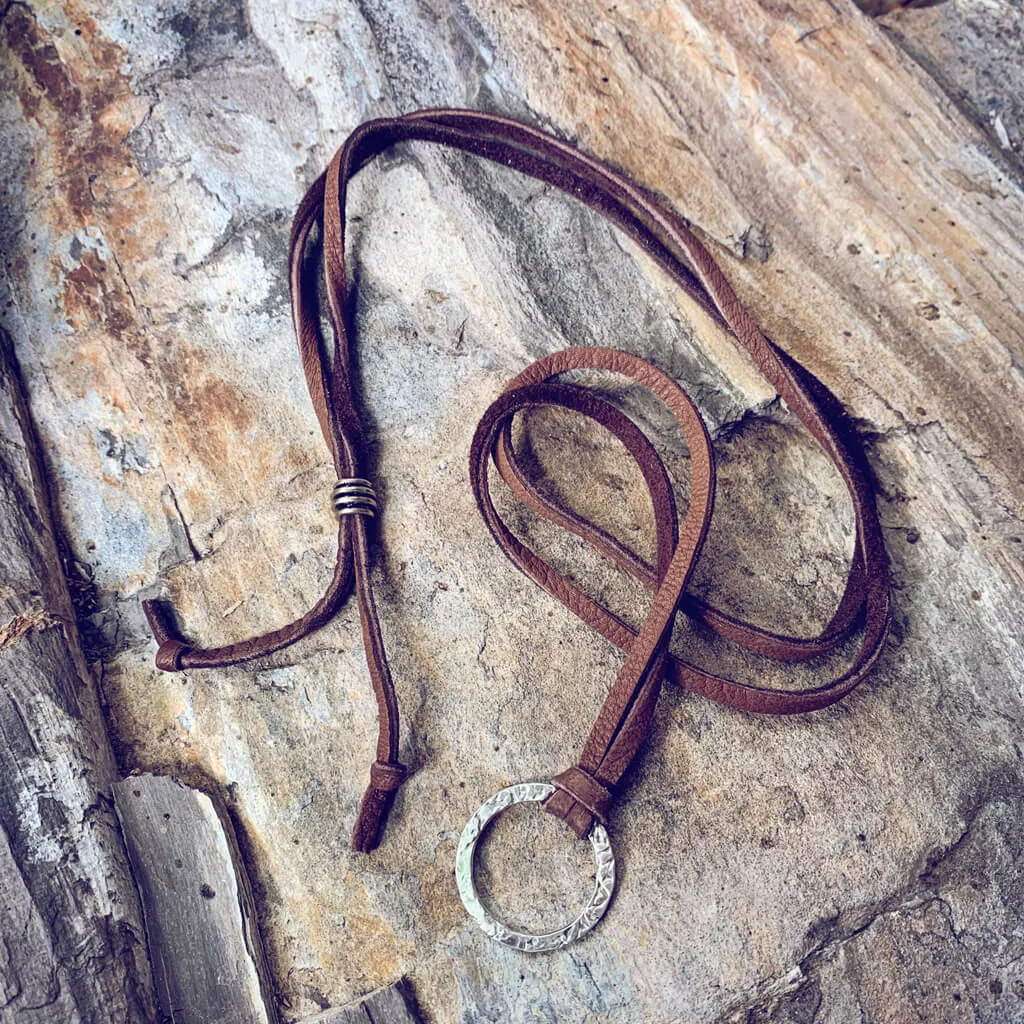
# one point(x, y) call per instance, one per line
point(581, 795)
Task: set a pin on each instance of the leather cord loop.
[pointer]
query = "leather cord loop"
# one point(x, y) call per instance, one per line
point(583, 793)
point(625, 715)
point(578, 786)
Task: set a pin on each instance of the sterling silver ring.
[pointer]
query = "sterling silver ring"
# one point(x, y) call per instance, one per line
point(528, 942)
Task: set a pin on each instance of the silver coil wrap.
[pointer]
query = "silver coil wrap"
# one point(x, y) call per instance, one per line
point(354, 496)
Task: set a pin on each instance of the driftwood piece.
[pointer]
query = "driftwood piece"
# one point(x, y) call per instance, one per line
point(392, 1005)
point(71, 939)
point(208, 961)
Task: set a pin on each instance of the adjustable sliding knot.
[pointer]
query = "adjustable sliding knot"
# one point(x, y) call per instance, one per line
point(385, 778)
point(354, 496)
point(579, 799)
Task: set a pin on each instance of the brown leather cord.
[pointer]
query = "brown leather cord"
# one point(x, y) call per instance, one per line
point(583, 792)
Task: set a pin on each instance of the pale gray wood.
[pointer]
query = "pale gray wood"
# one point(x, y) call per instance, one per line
point(973, 51)
point(392, 1005)
point(28, 969)
point(72, 946)
point(207, 956)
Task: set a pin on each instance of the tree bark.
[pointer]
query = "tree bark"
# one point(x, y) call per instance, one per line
point(72, 946)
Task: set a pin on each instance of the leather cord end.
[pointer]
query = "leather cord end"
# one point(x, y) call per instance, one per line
point(385, 778)
point(171, 648)
point(579, 799)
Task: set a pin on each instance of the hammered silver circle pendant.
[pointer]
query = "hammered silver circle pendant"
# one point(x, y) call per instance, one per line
point(529, 942)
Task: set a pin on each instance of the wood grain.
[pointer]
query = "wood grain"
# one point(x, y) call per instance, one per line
point(391, 1005)
point(893, 225)
point(71, 941)
point(207, 956)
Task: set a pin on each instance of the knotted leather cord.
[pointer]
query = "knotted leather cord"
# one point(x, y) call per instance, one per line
point(585, 790)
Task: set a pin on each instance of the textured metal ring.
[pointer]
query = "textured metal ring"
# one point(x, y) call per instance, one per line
point(354, 496)
point(528, 942)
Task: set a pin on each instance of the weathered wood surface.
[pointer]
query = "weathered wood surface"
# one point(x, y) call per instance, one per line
point(391, 1005)
point(863, 863)
point(975, 51)
point(204, 942)
point(72, 947)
